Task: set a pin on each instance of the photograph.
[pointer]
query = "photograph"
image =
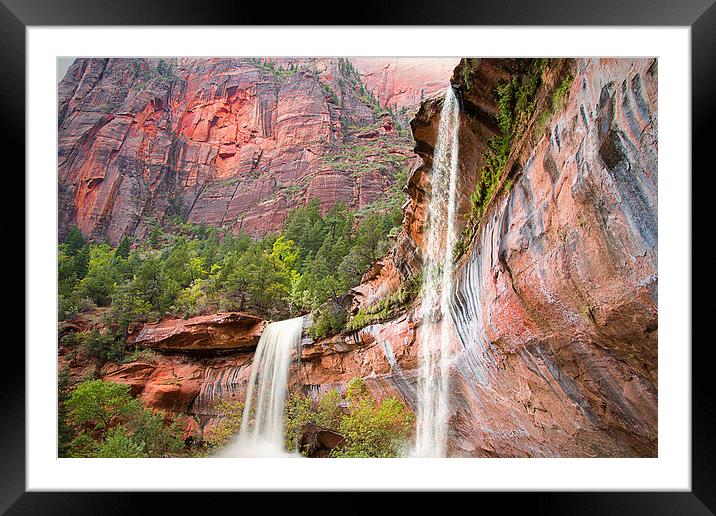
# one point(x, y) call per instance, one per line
point(357, 257)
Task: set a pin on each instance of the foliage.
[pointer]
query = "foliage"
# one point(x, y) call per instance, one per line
point(373, 429)
point(229, 424)
point(559, 97)
point(277, 71)
point(298, 411)
point(370, 428)
point(328, 319)
point(516, 101)
point(107, 422)
point(387, 307)
point(93, 404)
point(118, 443)
point(94, 344)
point(192, 269)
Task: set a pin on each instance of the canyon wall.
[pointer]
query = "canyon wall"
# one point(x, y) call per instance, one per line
point(235, 143)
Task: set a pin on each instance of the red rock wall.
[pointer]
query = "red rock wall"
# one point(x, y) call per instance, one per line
point(554, 317)
point(223, 141)
point(404, 82)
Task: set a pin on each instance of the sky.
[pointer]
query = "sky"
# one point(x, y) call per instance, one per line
point(63, 63)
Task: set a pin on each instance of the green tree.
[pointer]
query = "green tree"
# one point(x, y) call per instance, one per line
point(96, 402)
point(74, 240)
point(124, 247)
point(118, 443)
point(373, 429)
point(82, 261)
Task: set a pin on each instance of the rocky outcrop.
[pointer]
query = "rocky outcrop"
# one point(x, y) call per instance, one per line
point(404, 82)
point(215, 333)
point(229, 142)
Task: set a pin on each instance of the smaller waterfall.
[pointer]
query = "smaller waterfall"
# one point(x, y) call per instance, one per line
point(437, 289)
point(263, 434)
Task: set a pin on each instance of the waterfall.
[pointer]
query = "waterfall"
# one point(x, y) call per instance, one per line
point(264, 436)
point(437, 287)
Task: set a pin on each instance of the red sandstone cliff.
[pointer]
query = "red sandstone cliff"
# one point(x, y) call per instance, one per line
point(229, 142)
point(554, 317)
point(404, 82)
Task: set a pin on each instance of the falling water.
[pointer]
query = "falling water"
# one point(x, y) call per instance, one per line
point(432, 409)
point(264, 436)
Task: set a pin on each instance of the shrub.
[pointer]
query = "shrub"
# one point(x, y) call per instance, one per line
point(389, 306)
point(329, 319)
point(103, 346)
point(118, 443)
point(108, 422)
point(95, 403)
point(373, 429)
point(230, 415)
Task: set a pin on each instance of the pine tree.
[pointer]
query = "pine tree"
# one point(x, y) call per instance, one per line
point(123, 248)
point(74, 240)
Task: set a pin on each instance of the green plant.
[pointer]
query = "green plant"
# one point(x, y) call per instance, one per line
point(389, 306)
point(561, 93)
point(373, 429)
point(118, 443)
point(229, 424)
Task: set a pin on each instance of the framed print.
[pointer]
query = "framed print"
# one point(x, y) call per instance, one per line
point(416, 258)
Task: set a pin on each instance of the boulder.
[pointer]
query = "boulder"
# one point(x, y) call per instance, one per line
point(319, 441)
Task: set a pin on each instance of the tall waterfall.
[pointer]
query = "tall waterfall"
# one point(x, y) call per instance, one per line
point(264, 436)
point(433, 388)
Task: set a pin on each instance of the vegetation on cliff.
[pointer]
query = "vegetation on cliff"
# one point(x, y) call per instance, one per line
point(516, 101)
point(189, 270)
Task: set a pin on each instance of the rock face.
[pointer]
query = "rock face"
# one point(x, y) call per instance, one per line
point(318, 441)
point(229, 142)
point(554, 316)
point(228, 331)
point(404, 82)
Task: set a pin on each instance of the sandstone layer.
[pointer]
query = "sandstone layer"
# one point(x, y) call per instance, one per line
point(202, 334)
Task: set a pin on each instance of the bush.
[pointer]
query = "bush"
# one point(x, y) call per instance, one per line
point(329, 319)
point(373, 429)
point(230, 416)
point(370, 429)
point(118, 443)
point(102, 346)
point(388, 307)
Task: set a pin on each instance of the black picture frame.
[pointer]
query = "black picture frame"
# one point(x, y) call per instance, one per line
point(700, 15)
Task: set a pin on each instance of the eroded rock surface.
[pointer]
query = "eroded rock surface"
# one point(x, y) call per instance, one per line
point(219, 332)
